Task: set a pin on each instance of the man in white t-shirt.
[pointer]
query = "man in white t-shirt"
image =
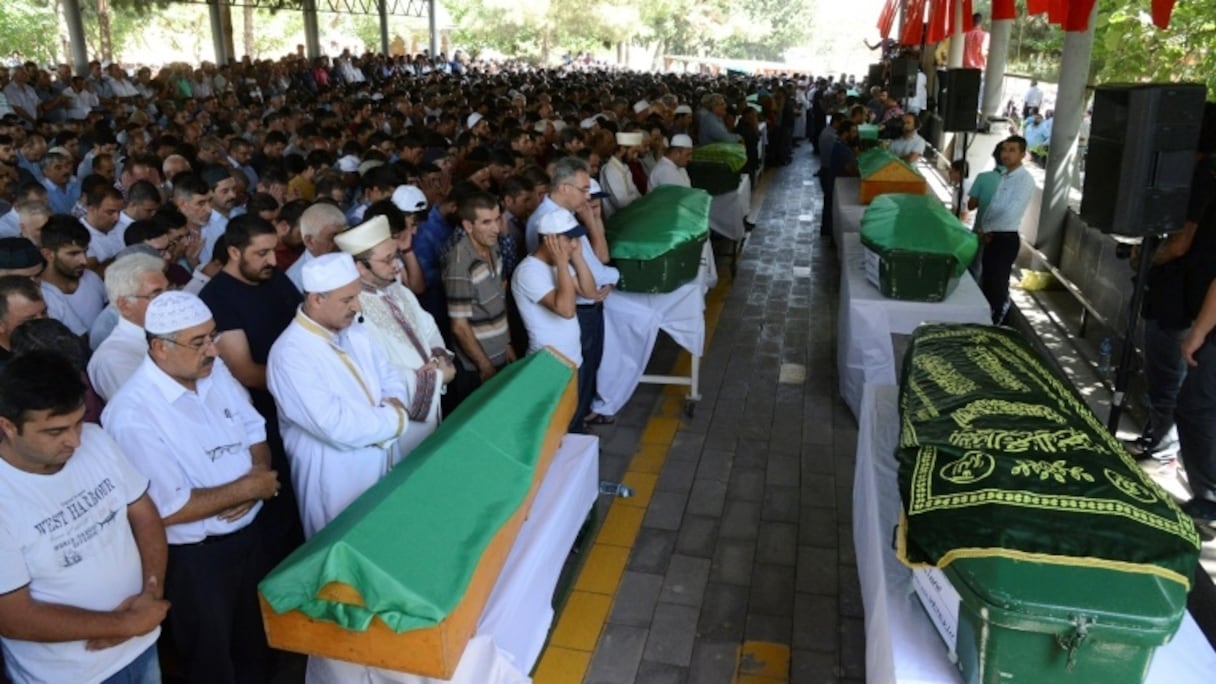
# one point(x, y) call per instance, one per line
point(75, 296)
point(546, 282)
point(82, 549)
point(909, 146)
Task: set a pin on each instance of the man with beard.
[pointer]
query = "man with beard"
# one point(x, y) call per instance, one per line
point(74, 295)
point(223, 189)
point(205, 453)
point(341, 403)
point(318, 226)
point(102, 206)
point(616, 176)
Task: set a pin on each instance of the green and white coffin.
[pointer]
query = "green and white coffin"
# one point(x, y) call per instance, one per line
point(656, 241)
point(915, 248)
point(716, 167)
point(1039, 549)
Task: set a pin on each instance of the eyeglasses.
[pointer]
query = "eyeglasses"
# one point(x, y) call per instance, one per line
point(210, 340)
point(222, 450)
point(585, 190)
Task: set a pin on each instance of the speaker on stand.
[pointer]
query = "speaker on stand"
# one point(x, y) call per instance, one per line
point(958, 104)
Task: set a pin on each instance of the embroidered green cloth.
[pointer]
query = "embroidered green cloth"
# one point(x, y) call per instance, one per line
point(1000, 458)
point(920, 224)
point(875, 159)
point(409, 545)
point(734, 155)
point(660, 221)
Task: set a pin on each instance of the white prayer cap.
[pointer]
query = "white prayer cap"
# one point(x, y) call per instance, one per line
point(174, 311)
point(541, 126)
point(473, 119)
point(558, 125)
point(589, 122)
point(683, 109)
point(629, 138)
point(680, 140)
point(329, 272)
point(364, 236)
point(409, 198)
point(369, 165)
point(349, 164)
point(640, 106)
point(560, 222)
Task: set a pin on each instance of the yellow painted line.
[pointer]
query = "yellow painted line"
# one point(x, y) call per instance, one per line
point(581, 621)
point(762, 662)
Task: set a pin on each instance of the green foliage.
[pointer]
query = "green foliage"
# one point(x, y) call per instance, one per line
point(1128, 47)
point(30, 27)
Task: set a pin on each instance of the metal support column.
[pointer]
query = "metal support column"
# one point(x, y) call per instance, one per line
point(312, 30)
point(994, 73)
point(217, 31)
point(956, 36)
point(80, 49)
point(433, 23)
point(1071, 97)
point(383, 7)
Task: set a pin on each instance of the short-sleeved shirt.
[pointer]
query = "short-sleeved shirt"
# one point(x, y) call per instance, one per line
point(67, 537)
point(475, 292)
point(982, 189)
point(533, 280)
point(902, 147)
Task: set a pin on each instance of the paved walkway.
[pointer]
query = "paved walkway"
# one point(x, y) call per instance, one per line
point(734, 561)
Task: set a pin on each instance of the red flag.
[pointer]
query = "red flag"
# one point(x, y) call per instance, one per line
point(914, 23)
point(1036, 6)
point(1004, 9)
point(1162, 9)
point(1057, 11)
point(1077, 18)
point(886, 18)
point(939, 14)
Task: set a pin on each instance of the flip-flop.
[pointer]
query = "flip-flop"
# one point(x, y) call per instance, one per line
point(598, 419)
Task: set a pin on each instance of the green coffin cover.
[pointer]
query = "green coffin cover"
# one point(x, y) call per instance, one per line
point(733, 155)
point(920, 224)
point(868, 131)
point(410, 544)
point(875, 159)
point(1000, 459)
point(713, 177)
point(656, 241)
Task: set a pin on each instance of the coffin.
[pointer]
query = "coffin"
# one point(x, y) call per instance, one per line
point(914, 247)
point(656, 241)
point(883, 173)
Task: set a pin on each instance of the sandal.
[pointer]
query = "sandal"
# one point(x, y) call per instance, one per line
point(597, 419)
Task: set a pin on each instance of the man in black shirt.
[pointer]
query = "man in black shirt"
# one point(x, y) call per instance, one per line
point(252, 303)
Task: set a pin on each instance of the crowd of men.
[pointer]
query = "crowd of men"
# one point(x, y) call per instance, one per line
point(228, 307)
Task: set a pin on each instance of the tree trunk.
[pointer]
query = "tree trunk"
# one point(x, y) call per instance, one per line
point(226, 21)
point(544, 45)
point(248, 32)
point(65, 43)
point(103, 29)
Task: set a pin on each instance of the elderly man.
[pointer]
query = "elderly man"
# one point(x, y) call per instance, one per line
point(672, 168)
point(188, 424)
point(342, 405)
point(615, 176)
point(569, 188)
point(397, 324)
point(20, 301)
point(318, 226)
point(82, 557)
point(712, 121)
point(132, 282)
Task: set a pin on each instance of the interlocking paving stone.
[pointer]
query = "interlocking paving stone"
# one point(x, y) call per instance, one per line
point(733, 562)
point(661, 673)
point(810, 667)
point(666, 510)
point(740, 520)
point(713, 662)
point(698, 536)
point(817, 570)
point(769, 628)
point(715, 464)
point(777, 543)
point(772, 590)
point(617, 655)
point(672, 634)
point(780, 504)
point(816, 623)
point(636, 598)
point(685, 580)
point(746, 484)
point(652, 550)
point(677, 475)
point(723, 612)
point(707, 498)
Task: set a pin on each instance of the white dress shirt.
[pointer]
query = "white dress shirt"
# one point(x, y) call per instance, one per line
point(339, 431)
point(617, 181)
point(667, 173)
point(185, 440)
point(117, 358)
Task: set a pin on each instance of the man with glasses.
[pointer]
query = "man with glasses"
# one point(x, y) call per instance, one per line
point(132, 282)
point(187, 424)
point(569, 189)
point(397, 323)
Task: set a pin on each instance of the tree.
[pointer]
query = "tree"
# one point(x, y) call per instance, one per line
point(30, 27)
point(1128, 47)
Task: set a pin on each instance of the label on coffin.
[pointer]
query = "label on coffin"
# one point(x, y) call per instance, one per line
point(941, 602)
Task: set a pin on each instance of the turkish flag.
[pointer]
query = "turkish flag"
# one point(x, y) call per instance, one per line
point(1162, 9)
point(1036, 6)
point(939, 15)
point(914, 23)
point(886, 19)
point(1004, 9)
point(1077, 18)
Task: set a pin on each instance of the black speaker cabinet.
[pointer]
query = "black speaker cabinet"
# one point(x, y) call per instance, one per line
point(960, 100)
point(1141, 155)
point(903, 78)
point(876, 76)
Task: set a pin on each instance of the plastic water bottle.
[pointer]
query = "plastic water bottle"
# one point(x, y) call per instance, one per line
point(610, 488)
point(1104, 352)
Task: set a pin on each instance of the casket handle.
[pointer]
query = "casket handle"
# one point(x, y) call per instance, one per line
point(1072, 642)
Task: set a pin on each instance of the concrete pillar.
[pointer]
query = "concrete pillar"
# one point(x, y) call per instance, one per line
point(994, 73)
point(956, 36)
point(383, 7)
point(312, 30)
point(217, 31)
point(432, 22)
point(1071, 96)
point(80, 49)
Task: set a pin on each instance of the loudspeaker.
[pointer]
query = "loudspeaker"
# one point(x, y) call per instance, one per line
point(875, 77)
point(1141, 156)
point(903, 78)
point(960, 100)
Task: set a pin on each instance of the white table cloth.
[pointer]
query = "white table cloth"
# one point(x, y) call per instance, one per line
point(866, 321)
point(847, 209)
point(902, 645)
point(728, 210)
point(519, 612)
point(632, 322)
